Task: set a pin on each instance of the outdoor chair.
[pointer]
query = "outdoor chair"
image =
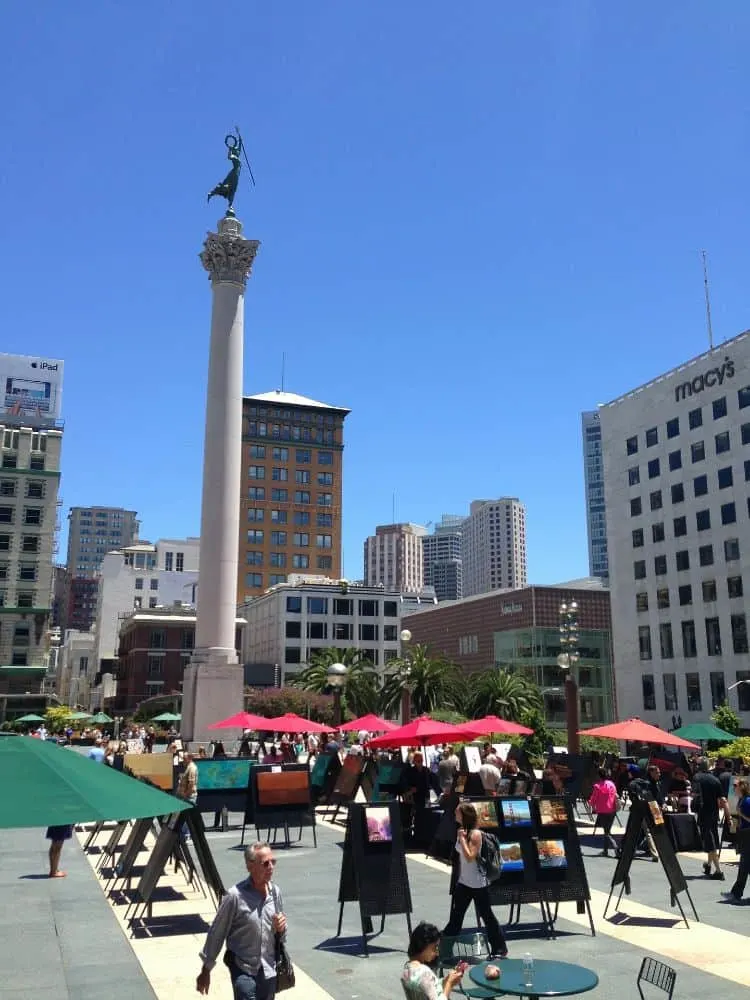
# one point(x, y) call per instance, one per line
point(657, 974)
point(472, 948)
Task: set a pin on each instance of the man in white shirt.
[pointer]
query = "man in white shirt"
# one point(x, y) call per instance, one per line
point(490, 775)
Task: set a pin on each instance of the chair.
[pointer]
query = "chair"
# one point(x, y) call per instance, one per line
point(472, 948)
point(657, 974)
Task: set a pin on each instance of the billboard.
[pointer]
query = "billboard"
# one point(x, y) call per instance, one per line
point(31, 389)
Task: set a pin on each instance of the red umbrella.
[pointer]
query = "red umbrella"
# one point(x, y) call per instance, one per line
point(371, 723)
point(291, 723)
point(418, 733)
point(242, 720)
point(638, 731)
point(493, 724)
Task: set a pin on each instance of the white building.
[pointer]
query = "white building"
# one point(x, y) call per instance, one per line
point(593, 472)
point(142, 576)
point(76, 668)
point(677, 464)
point(394, 557)
point(493, 546)
point(443, 564)
point(291, 622)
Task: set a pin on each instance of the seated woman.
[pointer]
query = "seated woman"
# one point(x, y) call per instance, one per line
point(679, 790)
point(418, 980)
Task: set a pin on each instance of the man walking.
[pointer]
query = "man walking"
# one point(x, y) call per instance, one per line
point(708, 798)
point(249, 918)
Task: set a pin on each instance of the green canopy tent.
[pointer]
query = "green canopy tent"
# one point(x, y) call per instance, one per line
point(703, 731)
point(47, 785)
point(101, 717)
point(167, 717)
point(29, 718)
point(79, 716)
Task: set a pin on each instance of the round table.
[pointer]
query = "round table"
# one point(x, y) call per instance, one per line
point(551, 979)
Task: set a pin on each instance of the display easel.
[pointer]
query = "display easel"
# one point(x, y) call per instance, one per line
point(276, 815)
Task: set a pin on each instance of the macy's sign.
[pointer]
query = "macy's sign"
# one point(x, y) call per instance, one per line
point(715, 376)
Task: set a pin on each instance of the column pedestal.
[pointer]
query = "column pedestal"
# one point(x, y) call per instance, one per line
point(212, 689)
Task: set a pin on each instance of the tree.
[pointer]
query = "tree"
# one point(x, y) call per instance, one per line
point(272, 702)
point(361, 691)
point(494, 692)
point(57, 718)
point(434, 682)
point(726, 718)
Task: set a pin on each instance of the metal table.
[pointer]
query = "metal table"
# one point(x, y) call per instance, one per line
point(551, 979)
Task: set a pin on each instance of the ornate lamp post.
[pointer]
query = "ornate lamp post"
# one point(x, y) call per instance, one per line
point(336, 677)
point(568, 659)
point(405, 673)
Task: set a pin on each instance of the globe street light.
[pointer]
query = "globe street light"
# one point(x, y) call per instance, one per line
point(568, 659)
point(404, 674)
point(336, 677)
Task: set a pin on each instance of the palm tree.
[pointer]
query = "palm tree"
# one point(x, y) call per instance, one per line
point(494, 692)
point(360, 694)
point(434, 682)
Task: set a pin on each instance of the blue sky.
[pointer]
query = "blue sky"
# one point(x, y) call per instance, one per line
point(476, 221)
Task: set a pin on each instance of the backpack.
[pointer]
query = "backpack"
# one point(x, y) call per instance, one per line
point(489, 859)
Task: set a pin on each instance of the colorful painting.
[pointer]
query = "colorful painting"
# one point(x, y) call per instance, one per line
point(486, 814)
point(551, 854)
point(656, 813)
point(320, 769)
point(511, 857)
point(283, 788)
point(553, 812)
point(379, 825)
point(516, 812)
point(219, 775)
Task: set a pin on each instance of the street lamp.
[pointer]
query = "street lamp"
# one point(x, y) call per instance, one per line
point(405, 673)
point(568, 659)
point(732, 687)
point(336, 677)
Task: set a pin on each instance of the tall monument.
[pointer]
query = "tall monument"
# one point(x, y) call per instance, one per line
point(213, 681)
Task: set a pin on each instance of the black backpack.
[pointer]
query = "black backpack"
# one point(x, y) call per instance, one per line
point(489, 859)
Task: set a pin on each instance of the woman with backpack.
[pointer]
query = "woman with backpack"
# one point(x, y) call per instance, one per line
point(604, 802)
point(470, 882)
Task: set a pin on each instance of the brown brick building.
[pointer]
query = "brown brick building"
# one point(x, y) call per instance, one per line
point(292, 465)
point(519, 630)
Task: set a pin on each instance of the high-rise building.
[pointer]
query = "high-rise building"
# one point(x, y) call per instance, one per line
point(92, 533)
point(30, 445)
point(493, 546)
point(676, 468)
point(593, 471)
point(443, 565)
point(394, 558)
point(292, 468)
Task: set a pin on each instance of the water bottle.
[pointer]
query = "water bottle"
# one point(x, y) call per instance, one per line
point(224, 819)
point(478, 949)
point(528, 969)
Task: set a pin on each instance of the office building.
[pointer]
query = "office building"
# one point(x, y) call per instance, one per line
point(519, 631)
point(676, 472)
point(30, 446)
point(292, 468)
point(441, 553)
point(394, 558)
point(92, 533)
point(593, 472)
point(493, 546)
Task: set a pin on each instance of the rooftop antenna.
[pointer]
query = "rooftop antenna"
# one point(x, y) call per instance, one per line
point(708, 302)
point(283, 368)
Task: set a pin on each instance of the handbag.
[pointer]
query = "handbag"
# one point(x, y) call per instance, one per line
point(284, 967)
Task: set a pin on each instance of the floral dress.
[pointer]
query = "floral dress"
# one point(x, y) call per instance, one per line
point(421, 983)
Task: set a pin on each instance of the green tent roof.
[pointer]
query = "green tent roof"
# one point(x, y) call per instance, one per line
point(704, 731)
point(47, 785)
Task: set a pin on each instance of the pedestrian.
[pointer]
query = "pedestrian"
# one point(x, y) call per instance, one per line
point(471, 883)
point(708, 799)
point(743, 842)
point(491, 776)
point(187, 787)
point(418, 977)
point(98, 751)
point(604, 802)
point(447, 769)
point(249, 919)
point(57, 835)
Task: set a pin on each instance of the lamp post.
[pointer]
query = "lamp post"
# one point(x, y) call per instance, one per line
point(732, 687)
point(568, 659)
point(405, 636)
point(336, 677)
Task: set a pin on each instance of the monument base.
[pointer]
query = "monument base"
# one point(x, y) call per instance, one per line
point(213, 689)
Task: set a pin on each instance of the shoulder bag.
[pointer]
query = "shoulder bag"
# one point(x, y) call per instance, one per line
point(284, 967)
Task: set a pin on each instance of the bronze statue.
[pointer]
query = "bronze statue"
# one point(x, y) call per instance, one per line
point(228, 187)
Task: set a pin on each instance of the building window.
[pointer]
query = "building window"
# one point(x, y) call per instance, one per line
point(703, 520)
point(713, 636)
point(745, 433)
point(678, 493)
point(29, 543)
point(655, 500)
point(277, 559)
point(734, 586)
point(639, 569)
point(325, 458)
point(649, 695)
point(303, 455)
point(689, 648)
point(155, 666)
point(8, 488)
point(720, 407)
point(368, 609)
point(343, 631)
point(697, 451)
point(280, 475)
point(665, 641)
point(137, 602)
point(368, 633)
point(27, 571)
point(660, 565)
point(390, 609)
point(302, 476)
point(635, 507)
point(139, 583)
point(675, 460)
point(294, 605)
point(728, 513)
point(662, 598)
point(257, 451)
point(695, 419)
point(634, 476)
point(158, 639)
point(685, 594)
point(256, 471)
point(280, 454)
point(278, 516)
point(324, 520)
point(325, 499)
point(652, 437)
point(700, 486)
point(6, 515)
point(279, 495)
point(739, 634)
point(743, 397)
point(256, 493)
point(278, 538)
point(324, 541)
point(168, 561)
point(722, 442)
point(35, 491)
point(743, 690)
point(706, 555)
point(680, 526)
point(653, 468)
point(302, 496)
point(644, 642)
point(292, 654)
point(255, 536)
point(637, 538)
point(673, 427)
point(300, 538)
point(317, 605)
point(187, 639)
point(725, 478)
point(325, 479)
point(254, 514)
point(693, 687)
point(293, 630)
point(709, 590)
point(253, 580)
point(682, 560)
point(254, 558)
point(657, 532)
point(670, 692)
point(317, 630)
point(641, 601)
point(301, 517)
point(324, 562)
point(300, 562)
point(631, 445)
point(731, 549)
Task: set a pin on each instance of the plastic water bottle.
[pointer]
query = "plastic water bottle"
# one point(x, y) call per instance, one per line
point(478, 949)
point(224, 819)
point(528, 969)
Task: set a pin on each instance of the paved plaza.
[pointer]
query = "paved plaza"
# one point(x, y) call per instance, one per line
point(62, 938)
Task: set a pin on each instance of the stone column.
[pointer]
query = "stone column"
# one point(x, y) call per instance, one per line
point(213, 682)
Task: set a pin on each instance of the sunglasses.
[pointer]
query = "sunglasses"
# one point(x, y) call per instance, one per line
point(270, 863)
